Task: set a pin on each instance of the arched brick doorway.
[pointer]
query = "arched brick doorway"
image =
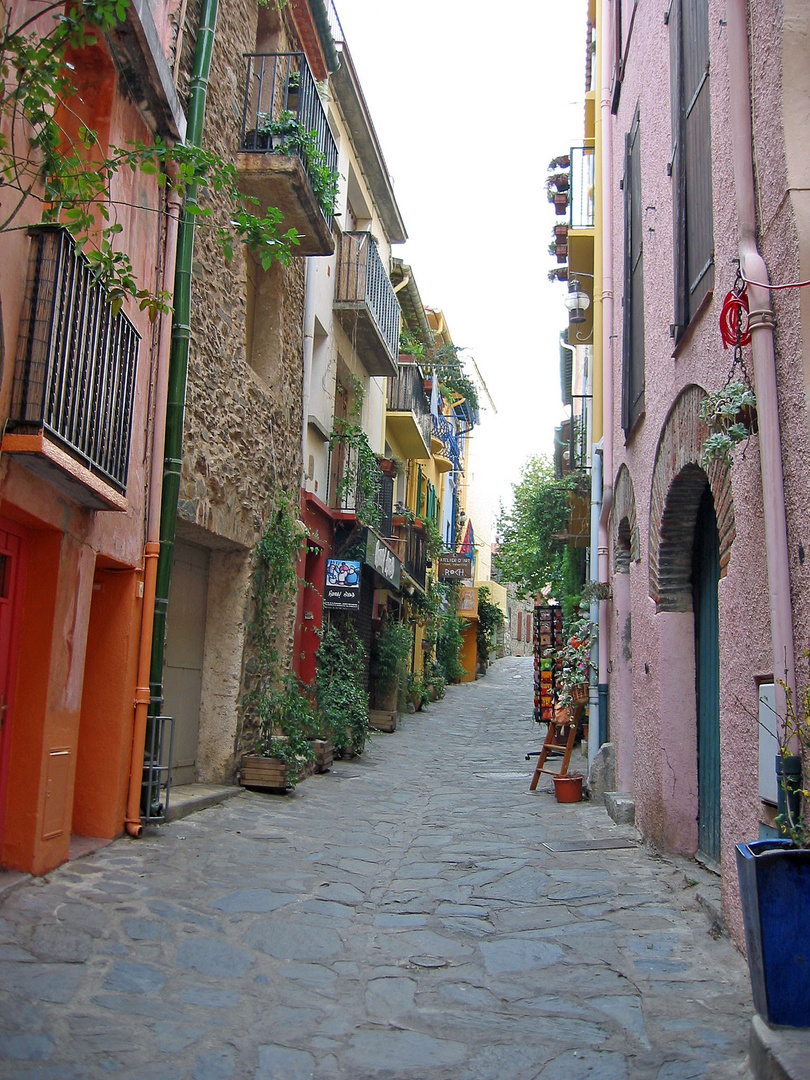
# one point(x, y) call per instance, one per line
point(691, 534)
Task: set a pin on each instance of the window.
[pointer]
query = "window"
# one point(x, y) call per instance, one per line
point(691, 165)
point(623, 15)
point(520, 626)
point(633, 337)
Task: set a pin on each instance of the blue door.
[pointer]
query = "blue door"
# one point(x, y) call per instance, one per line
point(705, 576)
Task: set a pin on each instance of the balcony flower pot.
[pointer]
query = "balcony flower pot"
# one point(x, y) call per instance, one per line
point(561, 251)
point(568, 789)
point(774, 880)
point(560, 202)
point(561, 232)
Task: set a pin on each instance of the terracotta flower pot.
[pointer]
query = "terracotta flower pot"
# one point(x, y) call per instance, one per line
point(568, 788)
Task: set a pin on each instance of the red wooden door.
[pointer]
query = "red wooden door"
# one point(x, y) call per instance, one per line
point(12, 569)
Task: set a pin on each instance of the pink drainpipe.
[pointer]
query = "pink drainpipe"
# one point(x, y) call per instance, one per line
point(761, 321)
point(607, 337)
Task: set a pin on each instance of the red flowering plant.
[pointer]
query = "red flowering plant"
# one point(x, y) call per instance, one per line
point(572, 661)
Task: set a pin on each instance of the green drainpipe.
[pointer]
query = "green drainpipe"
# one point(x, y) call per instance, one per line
point(178, 360)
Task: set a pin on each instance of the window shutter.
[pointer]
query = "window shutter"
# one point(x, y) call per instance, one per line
point(697, 144)
point(693, 230)
point(633, 337)
point(681, 313)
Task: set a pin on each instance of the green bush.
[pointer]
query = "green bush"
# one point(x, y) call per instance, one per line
point(340, 696)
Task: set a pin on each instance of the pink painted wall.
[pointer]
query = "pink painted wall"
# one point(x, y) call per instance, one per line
point(656, 687)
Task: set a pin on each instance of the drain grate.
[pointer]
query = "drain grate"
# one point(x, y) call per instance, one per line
point(590, 845)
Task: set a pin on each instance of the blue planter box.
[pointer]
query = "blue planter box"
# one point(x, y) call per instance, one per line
point(775, 890)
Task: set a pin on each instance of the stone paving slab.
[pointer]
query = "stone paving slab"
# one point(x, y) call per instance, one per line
point(397, 918)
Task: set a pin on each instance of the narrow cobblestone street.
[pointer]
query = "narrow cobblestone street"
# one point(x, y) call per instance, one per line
point(399, 917)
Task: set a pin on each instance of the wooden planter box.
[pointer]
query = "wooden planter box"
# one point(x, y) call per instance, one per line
point(263, 772)
point(382, 720)
point(324, 754)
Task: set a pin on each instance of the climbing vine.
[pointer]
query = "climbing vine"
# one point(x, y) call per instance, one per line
point(50, 156)
point(283, 708)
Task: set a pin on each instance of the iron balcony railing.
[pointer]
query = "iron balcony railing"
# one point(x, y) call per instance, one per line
point(281, 100)
point(361, 279)
point(582, 181)
point(413, 549)
point(406, 393)
point(345, 489)
point(444, 430)
point(76, 359)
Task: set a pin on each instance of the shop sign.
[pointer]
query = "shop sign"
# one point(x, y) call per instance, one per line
point(381, 558)
point(454, 567)
point(342, 589)
point(467, 601)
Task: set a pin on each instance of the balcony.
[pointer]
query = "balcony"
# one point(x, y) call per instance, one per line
point(345, 494)
point(410, 544)
point(408, 411)
point(365, 303)
point(449, 448)
point(70, 418)
point(582, 187)
point(286, 148)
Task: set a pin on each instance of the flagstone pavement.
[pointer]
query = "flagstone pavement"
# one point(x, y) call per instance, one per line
point(403, 916)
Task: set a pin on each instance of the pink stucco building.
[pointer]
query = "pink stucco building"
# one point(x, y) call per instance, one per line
point(703, 167)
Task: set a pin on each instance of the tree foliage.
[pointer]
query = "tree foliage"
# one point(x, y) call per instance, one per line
point(50, 156)
point(532, 531)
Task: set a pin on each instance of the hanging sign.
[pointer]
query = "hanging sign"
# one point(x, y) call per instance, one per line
point(381, 558)
point(342, 589)
point(454, 567)
point(467, 602)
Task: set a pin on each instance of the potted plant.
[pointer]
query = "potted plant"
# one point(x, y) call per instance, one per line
point(731, 414)
point(774, 878)
point(282, 748)
point(418, 693)
point(572, 661)
point(568, 788)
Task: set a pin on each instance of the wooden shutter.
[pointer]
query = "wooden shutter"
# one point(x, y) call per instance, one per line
point(693, 231)
point(633, 337)
point(698, 153)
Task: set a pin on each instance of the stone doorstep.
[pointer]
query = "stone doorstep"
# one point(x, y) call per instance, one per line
point(188, 798)
point(778, 1053)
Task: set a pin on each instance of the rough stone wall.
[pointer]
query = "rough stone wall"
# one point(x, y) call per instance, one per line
point(242, 432)
point(513, 647)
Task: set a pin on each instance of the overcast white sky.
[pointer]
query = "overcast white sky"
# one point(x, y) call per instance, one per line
point(470, 102)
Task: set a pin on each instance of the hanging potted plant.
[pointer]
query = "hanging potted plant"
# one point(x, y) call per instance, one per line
point(774, 878)
point(731, 414)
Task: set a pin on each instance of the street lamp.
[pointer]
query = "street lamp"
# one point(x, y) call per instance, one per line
point(577, 301)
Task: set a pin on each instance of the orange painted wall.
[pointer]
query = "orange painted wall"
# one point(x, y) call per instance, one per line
point(107, 711)
point(469, 649)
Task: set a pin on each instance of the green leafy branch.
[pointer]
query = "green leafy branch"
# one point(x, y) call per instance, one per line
point(40, 161)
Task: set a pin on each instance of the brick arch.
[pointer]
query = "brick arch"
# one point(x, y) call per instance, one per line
point(626, 547)
point(677, 486)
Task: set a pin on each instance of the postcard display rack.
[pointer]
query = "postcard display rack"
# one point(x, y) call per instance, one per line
point(562, 722)
point(547, 634)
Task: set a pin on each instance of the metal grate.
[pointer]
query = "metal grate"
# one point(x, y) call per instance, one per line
point(157, 775)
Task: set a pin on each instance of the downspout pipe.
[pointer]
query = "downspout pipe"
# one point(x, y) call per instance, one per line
point(594, 730)
point(309, 343)
point(607, 355)
point(152, 546)
point(178, 363)
point(761, 323)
